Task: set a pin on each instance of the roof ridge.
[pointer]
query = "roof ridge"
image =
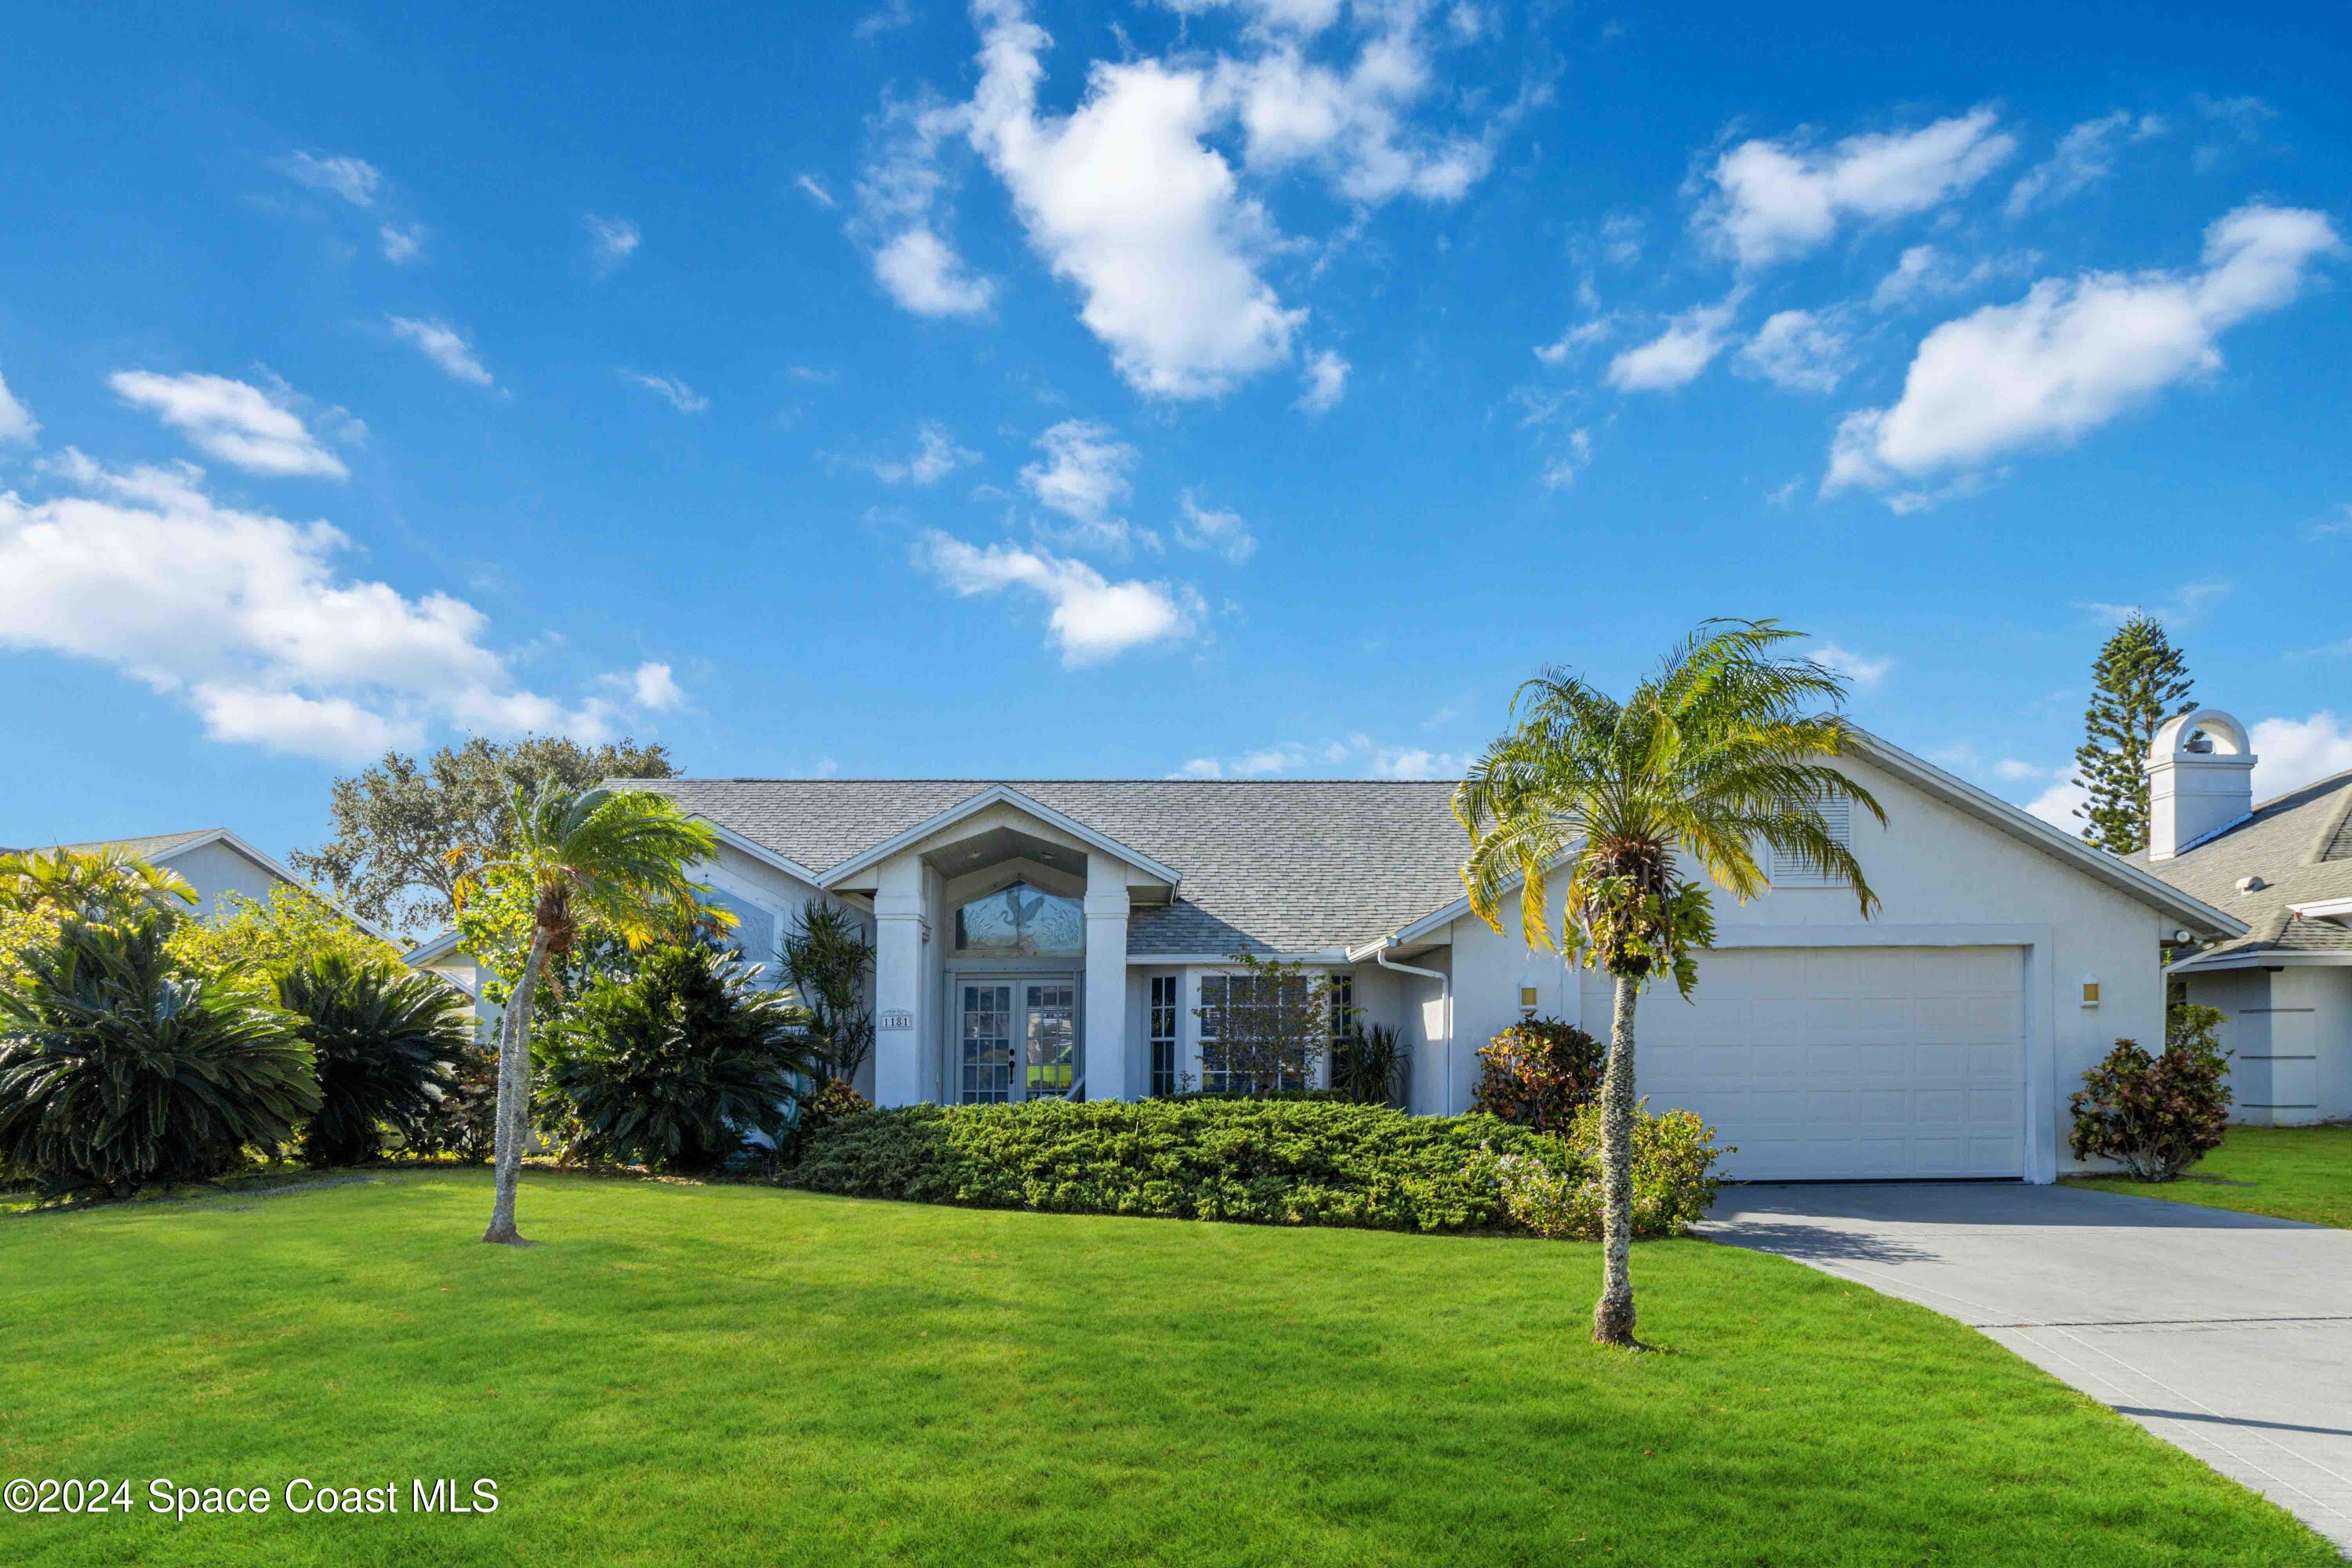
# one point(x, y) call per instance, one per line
point(978, 779)
point(2331, 828)
point(2345, 776)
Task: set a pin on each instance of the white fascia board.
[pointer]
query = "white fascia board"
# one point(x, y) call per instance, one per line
point(2118, 873)
point(1225, 960)
point(757, 851)
point(2324, 909)
point(431, 948)
point(1000, 795)
point(2259, 959)
point(284, 874)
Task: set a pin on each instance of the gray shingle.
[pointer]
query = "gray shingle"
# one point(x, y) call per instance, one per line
point(2300, 845)
point(1291, 866)
point(145, 848)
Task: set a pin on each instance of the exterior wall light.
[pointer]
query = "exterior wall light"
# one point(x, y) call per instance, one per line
point(1528, 1001)
point(2090, 991)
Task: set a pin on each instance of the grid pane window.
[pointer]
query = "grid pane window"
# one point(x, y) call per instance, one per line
point(1165, 990)
point(1235, 998)
point(987, 1044)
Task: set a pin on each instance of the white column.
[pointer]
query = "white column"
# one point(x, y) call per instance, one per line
point(901, 1026)
point(1106, 1023)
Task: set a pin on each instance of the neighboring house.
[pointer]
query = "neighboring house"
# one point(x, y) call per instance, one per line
point(1059, 936)
point(216, 863)
point(2285, 867)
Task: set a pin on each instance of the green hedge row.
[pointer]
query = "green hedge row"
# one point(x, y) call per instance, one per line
point(1283, 1162)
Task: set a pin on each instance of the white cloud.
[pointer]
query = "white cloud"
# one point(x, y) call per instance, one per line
point(1351, 756)
point(926, 276)
point(2058, 806)
point(1306, 17)
point(2085, 156)
point(2015, 770)
point(1561, 470)
point(1675, 356)
point(1216, 528)
point(655, 689)
point(1417, 762)
point(1090, 618)
point(355, 180)
point(677, 393)
point(231, 421)
point(1327, 381)
point(16, 421)
point(1926, 273)
point(2335, 525)
point(2291, 752)
point(1084, 476)
point(893, 16)
point(1861, 670)
point(1582, 335)
point(443, 344)
point(814, 189)
point(401, 243)
point(1802, 350)
point(1125, 200)
point(248, 619)
point(935, 456)
point(611, 240)
point(1775, 200)
point(2182, 606)
point(2075, 354)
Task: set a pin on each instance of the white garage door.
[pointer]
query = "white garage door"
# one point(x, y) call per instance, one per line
point(1848, 1062)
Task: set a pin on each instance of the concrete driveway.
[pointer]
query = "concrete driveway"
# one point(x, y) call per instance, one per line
point(2228, 1335)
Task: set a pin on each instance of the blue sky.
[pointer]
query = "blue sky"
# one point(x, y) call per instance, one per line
point(1255, 389)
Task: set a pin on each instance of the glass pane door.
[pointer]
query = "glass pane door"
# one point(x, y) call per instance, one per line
point(1050, 1009)
point(985, 1040)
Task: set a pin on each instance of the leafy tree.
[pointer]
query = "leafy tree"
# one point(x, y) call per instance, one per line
point(407, 833)
point(674, 1065)
point(619, 856)
point(2138, 682)
point(828, 958)
point(386, 1041)
point(1267, 1027)
point(1712, 758)
point(267, 936)
point(100, 886)
point(119, 1067)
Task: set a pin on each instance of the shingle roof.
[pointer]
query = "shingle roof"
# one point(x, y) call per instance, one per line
point(2300, 845)
point(1287, 866)
point(145, 848)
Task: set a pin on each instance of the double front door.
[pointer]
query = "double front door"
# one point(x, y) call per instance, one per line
point(1016, 1039)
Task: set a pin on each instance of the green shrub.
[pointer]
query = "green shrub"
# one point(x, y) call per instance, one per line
point(385, 1040)
point(1275, 1161)
point(676, 1064)
point(1539, 1073)
point(1367, 1066)
point(1556, 1191)
point(2157, 1115)
point(835, 1101)
point(464, 1124)
point(117, 1068)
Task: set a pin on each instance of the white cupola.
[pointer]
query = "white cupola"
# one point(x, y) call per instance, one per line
point(2200, 781)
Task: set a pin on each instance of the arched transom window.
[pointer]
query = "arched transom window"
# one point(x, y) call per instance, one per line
point(1021, 919)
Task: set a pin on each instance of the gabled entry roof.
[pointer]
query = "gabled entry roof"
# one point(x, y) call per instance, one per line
point(998, 795)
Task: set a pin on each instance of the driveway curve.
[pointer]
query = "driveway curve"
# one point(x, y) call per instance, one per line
point(2228, 1335)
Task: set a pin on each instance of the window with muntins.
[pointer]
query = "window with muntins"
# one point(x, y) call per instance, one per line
point(1166, 994)
point(1227, 1002)
point(753, 933)
point(1342, 1004)
point(1021, 921)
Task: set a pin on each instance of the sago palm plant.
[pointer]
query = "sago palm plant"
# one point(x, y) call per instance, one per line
point(386, 1041)
point(1715, 758)
point(117, 1068)
point(619, 855)
point(105, 884)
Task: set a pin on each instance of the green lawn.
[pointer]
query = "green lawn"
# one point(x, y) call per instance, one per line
point(2290, 1172)
point(686, 1374)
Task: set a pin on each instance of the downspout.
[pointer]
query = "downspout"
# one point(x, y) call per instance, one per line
point(1444, 1011)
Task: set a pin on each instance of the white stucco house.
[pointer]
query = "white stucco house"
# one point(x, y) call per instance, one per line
point(2285, 867)
point(216, 863)
point(1056, 936)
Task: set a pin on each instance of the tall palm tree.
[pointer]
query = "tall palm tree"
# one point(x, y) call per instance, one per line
point(103, 885)
point(1714, 760)
point(618, 855)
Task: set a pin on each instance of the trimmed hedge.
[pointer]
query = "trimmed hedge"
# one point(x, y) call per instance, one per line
point(1283, 1162)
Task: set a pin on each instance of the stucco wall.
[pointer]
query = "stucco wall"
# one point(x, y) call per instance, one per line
point(1944, 878)
point(2289, 1035)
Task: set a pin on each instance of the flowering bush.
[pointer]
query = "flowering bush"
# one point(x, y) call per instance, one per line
point(1538, 1072)
point(1559, 1195)
point(2157, 1114)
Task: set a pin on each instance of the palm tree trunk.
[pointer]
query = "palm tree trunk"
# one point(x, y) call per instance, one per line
point(513, 1120)
point(1612, 1316)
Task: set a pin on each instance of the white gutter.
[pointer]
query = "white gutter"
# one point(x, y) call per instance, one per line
point(1444, 1011)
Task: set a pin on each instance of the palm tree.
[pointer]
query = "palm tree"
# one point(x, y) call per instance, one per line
point(618, 855)
point(101, 885)
point(1712, 760)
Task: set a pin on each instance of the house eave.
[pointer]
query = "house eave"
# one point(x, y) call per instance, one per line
point(999, 794)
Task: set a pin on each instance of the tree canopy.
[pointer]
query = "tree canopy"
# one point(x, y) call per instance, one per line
point(407, 832)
